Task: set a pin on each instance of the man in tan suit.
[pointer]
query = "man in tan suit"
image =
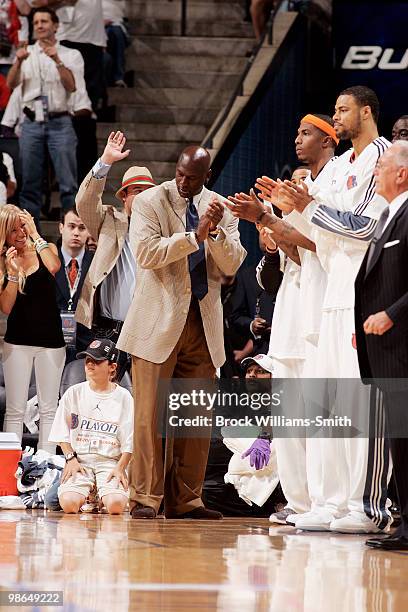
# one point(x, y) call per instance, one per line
point(183, 238)
point(109, 285)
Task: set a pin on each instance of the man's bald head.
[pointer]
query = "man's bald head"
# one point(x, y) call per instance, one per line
point(391, 173)
point(192, 171)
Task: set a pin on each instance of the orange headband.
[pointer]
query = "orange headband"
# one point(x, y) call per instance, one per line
point(322, 125)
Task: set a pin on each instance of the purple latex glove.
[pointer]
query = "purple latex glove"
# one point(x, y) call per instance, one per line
point(259, 453)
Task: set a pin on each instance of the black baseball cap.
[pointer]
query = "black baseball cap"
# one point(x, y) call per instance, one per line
point(101, 349)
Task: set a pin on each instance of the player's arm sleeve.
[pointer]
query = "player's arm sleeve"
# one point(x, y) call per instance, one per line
point(268, 273)
point(60, 430)
point(346, 224)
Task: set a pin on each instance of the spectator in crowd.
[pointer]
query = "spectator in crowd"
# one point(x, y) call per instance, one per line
point(400, 129)
point(108, 287)
point(260, 11)
point(8, 182)
point(9, 28)
point(82, 28)
point(34, 336)
point(4, 94)
point(258, 366)
point(95, 455)
point(75, 262)
point(118, 40)
point(253, 306)
point(183, 238)
point(47, 72)
point(219, 495)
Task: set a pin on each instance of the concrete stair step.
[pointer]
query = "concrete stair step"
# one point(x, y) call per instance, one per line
point(185, 63)
point(190, 80)
point(171, 11)
point(167, 115)
point(187, 45)
point(182, 97)
point(208, 29)
point(181, 133)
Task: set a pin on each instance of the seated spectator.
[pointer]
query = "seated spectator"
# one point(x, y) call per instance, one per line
point(8, 181)
point(118, 40)
point(4, 94)
point(34, 337)
point(9, 28)
point(75, 262)
point(253, 308)
point(48, 74)
point(95, 455)
point(400, 129)
point(82, 28)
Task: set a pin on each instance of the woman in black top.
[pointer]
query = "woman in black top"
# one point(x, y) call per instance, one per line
point(34, 332)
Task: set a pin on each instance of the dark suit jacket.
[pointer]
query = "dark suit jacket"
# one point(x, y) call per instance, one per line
point(384, 286)
point(84, 335)
point(244, 300)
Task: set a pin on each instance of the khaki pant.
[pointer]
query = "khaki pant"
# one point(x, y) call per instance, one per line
point(180, 480)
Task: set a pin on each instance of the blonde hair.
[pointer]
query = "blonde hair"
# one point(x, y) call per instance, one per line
point(8, 216)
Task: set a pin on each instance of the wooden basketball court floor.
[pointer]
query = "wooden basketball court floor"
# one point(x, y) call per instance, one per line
point(117, 564)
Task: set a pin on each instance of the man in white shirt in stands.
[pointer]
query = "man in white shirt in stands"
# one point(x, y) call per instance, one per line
point(47, 72)
point(118, 40)
point(82, 28)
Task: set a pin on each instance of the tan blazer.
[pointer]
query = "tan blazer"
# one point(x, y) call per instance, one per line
point(162, 297)
point(109, 226)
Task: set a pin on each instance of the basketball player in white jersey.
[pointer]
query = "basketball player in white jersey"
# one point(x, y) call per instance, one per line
point(354, 471)
point(297, 309)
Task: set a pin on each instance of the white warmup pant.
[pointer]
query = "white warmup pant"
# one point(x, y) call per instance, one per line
point(313, 445)
point(291, 452)
point(345, 461)
point(18, 361)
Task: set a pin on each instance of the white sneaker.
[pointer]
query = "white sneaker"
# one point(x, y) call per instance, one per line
point(315, 521)
point(356, 522)
point(293, 518)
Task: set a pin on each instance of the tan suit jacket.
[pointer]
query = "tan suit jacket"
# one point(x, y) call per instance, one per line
point(161, 301)
point(109, 226)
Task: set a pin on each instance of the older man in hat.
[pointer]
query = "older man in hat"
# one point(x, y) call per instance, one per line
point(108, 288)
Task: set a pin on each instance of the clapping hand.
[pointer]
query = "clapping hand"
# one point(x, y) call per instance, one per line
point(244, 206)
point(214, 212)
point(114, 148)
point(11, 261)
point(269, 189)
point(22, 53)
point(295, 195)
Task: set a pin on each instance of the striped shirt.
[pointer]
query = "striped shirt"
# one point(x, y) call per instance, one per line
point(345, 219)
point(351, 207)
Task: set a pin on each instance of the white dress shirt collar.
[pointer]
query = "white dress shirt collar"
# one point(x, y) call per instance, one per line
point(67, 257)
point(395, 205)
point(196, 198)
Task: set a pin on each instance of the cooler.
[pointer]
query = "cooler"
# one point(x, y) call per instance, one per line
point(10, 455)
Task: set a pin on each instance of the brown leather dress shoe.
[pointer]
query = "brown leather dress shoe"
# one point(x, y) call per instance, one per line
point(143, 512)
point(199, 514)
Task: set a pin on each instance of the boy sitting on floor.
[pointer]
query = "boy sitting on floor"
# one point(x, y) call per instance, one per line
point(94, 427)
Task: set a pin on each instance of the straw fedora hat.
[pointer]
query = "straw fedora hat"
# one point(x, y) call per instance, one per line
point(135, 175)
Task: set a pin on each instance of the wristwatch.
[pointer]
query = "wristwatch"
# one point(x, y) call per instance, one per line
point(70, 456)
